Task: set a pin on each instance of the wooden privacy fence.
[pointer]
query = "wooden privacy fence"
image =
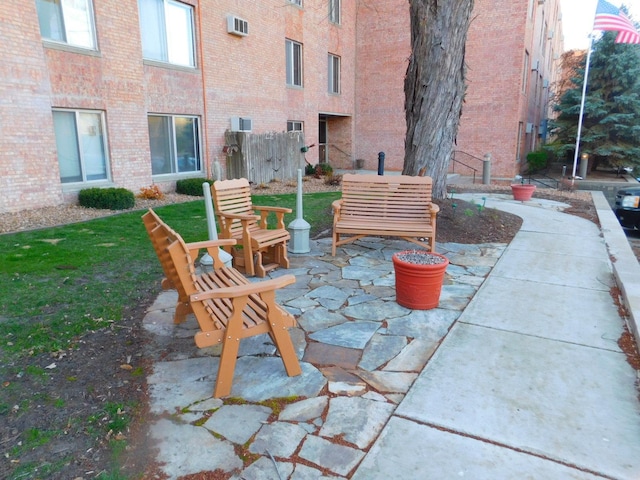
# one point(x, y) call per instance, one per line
point(263, 157)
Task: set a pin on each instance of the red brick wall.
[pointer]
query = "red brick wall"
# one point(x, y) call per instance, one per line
point(28, 168)
point(384, 45)
point(245, 76)
point(494, 103)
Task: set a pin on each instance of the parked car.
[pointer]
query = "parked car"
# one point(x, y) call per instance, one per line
point(627, 207)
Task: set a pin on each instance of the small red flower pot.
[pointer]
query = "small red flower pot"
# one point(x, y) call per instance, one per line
point(419, 277)
point(522, 191)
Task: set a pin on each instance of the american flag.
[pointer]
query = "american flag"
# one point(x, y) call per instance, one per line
point(611, 18)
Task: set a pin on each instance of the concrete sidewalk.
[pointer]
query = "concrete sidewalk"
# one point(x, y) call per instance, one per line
point(527, 379)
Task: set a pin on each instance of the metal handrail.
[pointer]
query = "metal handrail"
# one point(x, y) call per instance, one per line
point(456, 161)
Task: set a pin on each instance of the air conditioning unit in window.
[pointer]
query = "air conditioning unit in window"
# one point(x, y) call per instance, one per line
point(239, 124)
point(529, 128)
point(237, 26)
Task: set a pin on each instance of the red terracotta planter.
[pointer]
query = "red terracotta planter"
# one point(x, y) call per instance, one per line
point(419, 283)
point(522, 191)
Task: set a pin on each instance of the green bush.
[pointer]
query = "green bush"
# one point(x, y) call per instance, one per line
point(309, 169)
point(191, 186)
point(537, 160)
point(107, 198)
point(323, 169)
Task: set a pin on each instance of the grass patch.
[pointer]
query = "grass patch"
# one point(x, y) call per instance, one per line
point(61, 282)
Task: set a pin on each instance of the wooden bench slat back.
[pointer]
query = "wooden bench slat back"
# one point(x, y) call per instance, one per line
point(379, 197)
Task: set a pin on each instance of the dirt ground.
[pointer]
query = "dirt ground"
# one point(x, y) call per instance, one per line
point(88, 380)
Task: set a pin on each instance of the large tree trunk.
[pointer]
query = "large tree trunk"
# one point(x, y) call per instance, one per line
point(434, 86)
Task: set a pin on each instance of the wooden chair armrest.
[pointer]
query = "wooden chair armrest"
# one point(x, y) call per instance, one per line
point(211, 243)
point(435, 208)
point(336, 205)
point(273, 209)
point(237, 216)
point(244, 290)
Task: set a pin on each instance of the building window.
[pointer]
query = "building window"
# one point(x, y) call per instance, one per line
point(334, 11)
point(296, 2)
point(67, 21)
point(294, 126)
point(294, 63)
point(334, 74)
point(81, 145)
point(167, 31)
point(175, 144)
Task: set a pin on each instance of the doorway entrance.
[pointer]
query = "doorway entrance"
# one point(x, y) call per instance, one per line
point(323, 150)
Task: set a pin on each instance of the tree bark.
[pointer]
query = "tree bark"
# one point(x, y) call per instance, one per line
point(434, 86)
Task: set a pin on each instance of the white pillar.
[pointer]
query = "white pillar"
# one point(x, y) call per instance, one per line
point(213, 232)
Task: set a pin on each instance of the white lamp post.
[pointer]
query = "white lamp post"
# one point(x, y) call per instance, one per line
point(299, 228)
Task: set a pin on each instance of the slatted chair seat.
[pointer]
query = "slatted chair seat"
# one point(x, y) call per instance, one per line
point(376, 205)
point(260, 249)
point(226, 305)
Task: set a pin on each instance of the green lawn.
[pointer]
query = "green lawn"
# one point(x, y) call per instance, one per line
point(60, 282)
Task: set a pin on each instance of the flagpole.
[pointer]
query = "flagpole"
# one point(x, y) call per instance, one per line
point(584, 93)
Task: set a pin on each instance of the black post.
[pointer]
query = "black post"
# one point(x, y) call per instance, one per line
point(381, 163)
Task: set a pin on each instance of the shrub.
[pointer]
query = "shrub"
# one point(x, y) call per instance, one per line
point(106, 198)
point(537, 160)
point(332, 179)
point(323, 169)
point(151, 193)
point(309, 169)
point(191, 186)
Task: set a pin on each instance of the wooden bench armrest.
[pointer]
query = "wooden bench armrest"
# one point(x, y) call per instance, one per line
point(244, 290)
point(273, 209)
point(336, 205)
point(435, 208)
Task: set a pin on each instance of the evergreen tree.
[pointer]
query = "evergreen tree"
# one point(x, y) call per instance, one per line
point(611, 120)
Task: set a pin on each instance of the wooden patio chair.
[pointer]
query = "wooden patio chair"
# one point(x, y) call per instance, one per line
point(226, 305)
point(259, 249)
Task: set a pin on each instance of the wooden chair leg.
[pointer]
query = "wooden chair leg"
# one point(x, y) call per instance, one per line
point(281, 255)
point(248, 261)
point(280, 335)
point(230, 347)
point(260, 271)
point(182, 310)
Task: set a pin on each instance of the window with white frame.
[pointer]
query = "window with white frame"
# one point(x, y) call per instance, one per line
point(294, 63)
point(334, 11)
point(166, 27)
point(81, 145)
point(67, 21)
point(175, 144)
point(296, 2)
point(334, 74)
point(294, 126)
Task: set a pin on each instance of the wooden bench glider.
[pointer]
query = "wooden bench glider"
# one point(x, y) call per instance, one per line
point(226, 305)
point(263, 249)
point(392, 206)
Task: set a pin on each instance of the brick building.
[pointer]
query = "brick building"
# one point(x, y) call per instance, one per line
point(136, 92)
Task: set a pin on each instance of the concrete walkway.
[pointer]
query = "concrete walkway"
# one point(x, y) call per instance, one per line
point(516, 374)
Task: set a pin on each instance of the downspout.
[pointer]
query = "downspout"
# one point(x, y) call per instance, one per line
point(205, 142)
